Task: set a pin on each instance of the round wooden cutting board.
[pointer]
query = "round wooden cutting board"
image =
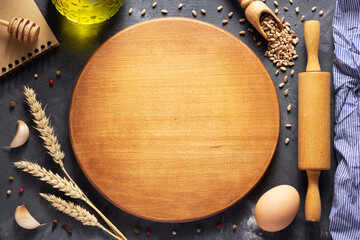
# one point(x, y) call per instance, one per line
point(174, 119)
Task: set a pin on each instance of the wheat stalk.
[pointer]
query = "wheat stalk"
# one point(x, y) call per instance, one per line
point(75, 211)
point(72, 209)
point(43, 126)
point(52, 145)
point(54, 180)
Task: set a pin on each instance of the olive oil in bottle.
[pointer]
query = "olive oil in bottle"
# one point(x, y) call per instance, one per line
point(88, 11)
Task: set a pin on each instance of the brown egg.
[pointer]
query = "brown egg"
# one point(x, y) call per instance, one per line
point(277, 208)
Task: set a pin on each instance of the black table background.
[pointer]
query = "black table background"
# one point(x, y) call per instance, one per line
point(78, 42)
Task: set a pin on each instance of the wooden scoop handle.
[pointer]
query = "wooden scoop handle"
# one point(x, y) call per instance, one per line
point(245, 3)
point(313, 201)
point(312, 41)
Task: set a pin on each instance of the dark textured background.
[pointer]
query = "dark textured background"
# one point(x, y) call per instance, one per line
point(78, 42)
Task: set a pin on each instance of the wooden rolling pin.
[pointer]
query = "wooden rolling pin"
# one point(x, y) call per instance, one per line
point(253, 12)
point(313, 120)
point(22, 29)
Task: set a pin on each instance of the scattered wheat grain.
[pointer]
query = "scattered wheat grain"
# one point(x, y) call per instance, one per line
point(288, 108)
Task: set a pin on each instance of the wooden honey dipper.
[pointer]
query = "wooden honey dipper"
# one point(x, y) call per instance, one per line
point(22, 29)
point(253, 12)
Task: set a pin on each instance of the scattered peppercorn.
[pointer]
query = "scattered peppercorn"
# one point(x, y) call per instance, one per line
point(12, 104)
point(54, 225)
point(67, 229)
point(58, 73)
point(11, 178)
point(148, 232)
point(51, 82)
point(173, 232)
point(36, 76)
point(21, 190)
point(8, 192)
point(234, 227)
point(199, 229)
point(218, 226)
point(137, 230)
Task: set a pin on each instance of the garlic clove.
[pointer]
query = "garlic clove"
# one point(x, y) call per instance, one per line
point(21, 136)
point(24, 218)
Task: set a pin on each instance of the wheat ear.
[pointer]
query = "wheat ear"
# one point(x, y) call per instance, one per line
point(75, 211)
point(52, 145)
point(42, 125)
point(51, 178)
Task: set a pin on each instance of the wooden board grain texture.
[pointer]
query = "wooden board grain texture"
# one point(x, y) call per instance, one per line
point(174, 119)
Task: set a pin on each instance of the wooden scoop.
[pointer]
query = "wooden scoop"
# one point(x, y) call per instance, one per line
point(22, 29)
point(313, 121)
point(253, 12)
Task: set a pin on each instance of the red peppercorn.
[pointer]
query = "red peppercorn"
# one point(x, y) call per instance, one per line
point(218, 226)
point(148, 232)
point(21, 190)
point(51, 82)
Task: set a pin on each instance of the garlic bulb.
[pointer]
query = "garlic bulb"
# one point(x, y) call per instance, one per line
point(24, 219)
point(21, 136)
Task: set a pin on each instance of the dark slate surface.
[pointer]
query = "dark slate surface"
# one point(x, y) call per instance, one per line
point(78, 42)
